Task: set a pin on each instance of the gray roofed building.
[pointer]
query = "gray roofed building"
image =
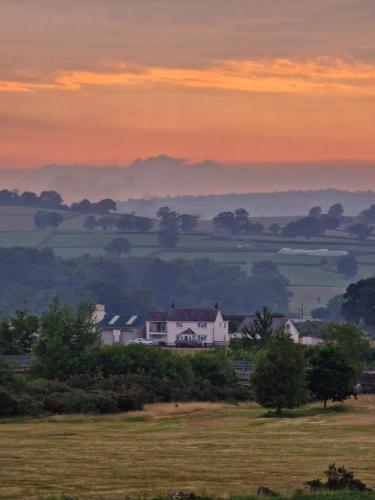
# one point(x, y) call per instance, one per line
point(118, 328)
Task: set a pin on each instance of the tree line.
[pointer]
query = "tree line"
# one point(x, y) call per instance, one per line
point(135, 284)
point(53, 200)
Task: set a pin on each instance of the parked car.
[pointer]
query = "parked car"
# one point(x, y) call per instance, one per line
point(188, 343)
point(143, 341)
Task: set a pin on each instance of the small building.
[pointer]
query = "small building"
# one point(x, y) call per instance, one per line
point(205, 326)
point(118, 328)
point(239, 323)
point(20, 362)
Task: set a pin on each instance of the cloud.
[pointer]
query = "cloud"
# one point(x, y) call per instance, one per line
point(266, 76)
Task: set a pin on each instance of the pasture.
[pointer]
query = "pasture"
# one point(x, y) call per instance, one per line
point(313, 279)
point(209, 448)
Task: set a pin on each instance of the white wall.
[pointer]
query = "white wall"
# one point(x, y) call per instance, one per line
point(212, 331)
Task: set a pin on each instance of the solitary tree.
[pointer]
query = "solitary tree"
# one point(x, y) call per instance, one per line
point(347, 265)
point(118, 246)
point(336, 210)
point(331, 375)
point(279, 374)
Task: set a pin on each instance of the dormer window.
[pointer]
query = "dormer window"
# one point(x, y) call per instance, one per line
point(202, 325)
point(179, 324)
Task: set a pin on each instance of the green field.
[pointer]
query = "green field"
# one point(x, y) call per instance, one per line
point(313, 279)
point(208, 448)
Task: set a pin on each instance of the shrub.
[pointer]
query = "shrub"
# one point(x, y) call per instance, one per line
point(8, 404)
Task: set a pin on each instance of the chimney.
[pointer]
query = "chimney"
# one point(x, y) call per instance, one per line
point(216, 305)
point(173, 305)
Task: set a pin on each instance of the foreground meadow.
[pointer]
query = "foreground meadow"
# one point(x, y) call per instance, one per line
point(208, 448)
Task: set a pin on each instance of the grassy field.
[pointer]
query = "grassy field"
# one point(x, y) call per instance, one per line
point(216, 449)
point(313, 279)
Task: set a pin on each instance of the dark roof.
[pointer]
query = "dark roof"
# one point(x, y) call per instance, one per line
point(277, 323)
point(120, 321)
point(188, 331)
point(180, 314)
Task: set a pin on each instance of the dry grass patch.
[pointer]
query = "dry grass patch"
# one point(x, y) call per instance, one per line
point(214, 448)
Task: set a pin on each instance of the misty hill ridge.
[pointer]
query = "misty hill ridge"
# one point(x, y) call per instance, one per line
point(164, 176)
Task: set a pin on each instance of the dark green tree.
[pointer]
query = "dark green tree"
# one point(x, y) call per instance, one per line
point(90, 222)
point(279, 375)
point(359, 302)
point(274, 229)
point(336, 210)
point(361, 230)
point(119, 246)
point(315, 211)
point(187, 222)
point(259, 331)
point(331, 374)
point(66, 336)
point(347, 265)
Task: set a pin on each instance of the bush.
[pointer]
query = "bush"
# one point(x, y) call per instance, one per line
point(8, 404)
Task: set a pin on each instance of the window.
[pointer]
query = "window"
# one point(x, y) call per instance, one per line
point(202, 338)
point(202, 325)
point(179, 324)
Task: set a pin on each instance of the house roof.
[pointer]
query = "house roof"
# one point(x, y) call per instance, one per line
point(120, 321)
point(277, 323)
point(184, 314)
point(188, 331)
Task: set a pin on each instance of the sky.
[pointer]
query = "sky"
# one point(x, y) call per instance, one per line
point(105, 82)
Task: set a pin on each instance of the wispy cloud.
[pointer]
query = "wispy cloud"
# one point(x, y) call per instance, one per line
point(322, 75)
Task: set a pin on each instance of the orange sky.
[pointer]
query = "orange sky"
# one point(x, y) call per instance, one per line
point(256, 80)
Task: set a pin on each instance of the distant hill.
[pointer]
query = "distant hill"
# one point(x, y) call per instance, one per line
point(277, 204)
point(163, 175)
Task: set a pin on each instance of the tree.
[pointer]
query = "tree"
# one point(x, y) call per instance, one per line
point(274, 229)
point(168, 233)
point(50, 199)
point(29, 199)
point(267, 285)
point(44, 219)
point(66, 337)
point(225, 222)
point(347, 265)
point(256, 228)
point(106, 222)
point(168, 238)
point(369, 214)
point(187, 222)
point(279, 374)
point(90, 222)
point(329, 222)
point(336, 210)
point(259, 331)
point(7, 197)
point(118, 246)
point(309, 226)
point(332, 311)
point(330, 374)
point(350, 339)
point(362, 231)
point(105, 206)
point(315, 211)
point(359, 302)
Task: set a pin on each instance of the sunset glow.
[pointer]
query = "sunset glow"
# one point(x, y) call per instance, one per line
point(110, 93)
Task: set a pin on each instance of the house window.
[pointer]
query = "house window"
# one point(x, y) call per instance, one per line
point(203, 338)
point(179, 324)
point(202, 325)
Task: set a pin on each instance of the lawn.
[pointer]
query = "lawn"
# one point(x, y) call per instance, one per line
point(207, 448)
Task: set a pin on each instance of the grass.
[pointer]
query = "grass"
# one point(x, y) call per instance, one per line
point(209, 448)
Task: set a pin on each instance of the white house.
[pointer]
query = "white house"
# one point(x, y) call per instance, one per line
point(242, 322)
point(206, 326)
